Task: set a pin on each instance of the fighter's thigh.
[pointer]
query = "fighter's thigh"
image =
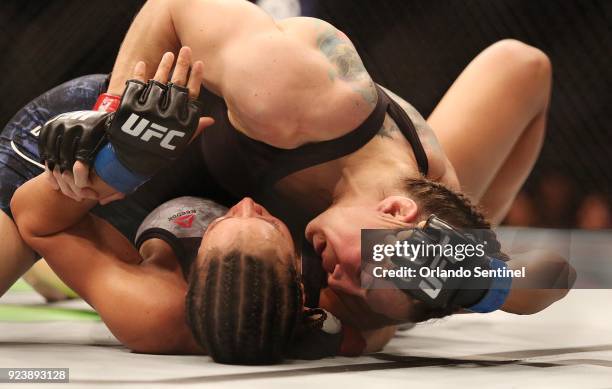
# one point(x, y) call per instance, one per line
point(15, 256)
point(19, 162)
point(485, 111)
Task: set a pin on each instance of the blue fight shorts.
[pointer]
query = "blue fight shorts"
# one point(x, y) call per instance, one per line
point(19, 160)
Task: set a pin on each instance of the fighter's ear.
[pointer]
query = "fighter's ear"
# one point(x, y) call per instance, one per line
point(403, 209)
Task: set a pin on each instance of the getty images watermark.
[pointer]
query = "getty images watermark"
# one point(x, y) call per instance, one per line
point(430, 257)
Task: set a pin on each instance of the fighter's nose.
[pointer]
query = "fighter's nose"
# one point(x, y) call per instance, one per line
point(245, 208)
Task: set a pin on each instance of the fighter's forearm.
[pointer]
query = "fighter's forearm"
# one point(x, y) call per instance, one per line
point(41, 211)
point(151, 34)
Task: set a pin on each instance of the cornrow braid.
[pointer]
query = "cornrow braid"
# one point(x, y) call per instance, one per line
point(244, 309)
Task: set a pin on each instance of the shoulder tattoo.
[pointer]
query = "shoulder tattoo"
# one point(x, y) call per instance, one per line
point(424, 131)
point(388, 129)
point(346, 63)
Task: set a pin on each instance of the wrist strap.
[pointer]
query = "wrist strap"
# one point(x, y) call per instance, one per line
point(114, 173)
point(498, 292)
point(107, 103)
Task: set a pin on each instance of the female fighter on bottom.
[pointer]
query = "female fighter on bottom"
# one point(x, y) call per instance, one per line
point(174, 291)
point(190, 278)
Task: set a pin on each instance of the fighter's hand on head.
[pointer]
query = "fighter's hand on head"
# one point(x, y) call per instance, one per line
point(153, 125)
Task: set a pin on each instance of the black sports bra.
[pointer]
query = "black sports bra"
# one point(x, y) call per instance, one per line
point(242, 165)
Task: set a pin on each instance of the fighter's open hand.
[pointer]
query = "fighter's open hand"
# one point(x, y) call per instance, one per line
point(64, 142)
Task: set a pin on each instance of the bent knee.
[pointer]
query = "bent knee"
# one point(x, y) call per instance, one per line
point(522, 54)
point(526, 64)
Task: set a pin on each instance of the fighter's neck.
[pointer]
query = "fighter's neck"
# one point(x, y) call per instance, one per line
point(370, 177)
point(366, 175)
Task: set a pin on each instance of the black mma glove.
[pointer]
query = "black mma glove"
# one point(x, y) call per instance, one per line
point(151, 128)
point(73, 136)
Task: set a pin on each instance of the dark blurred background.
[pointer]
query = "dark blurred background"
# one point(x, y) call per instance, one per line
point(416, 48)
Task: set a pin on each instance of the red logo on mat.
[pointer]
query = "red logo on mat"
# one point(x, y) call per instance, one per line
point(184, 221)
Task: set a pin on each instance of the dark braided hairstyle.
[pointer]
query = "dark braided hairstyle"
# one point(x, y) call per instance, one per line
point(244, 309)
point(456, 209)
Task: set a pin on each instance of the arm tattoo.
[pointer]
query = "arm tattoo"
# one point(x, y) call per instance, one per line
point(388, 128)
point(347, 65)
point(424, 131)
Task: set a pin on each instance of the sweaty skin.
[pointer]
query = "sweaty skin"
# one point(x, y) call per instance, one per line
point(63, 231)
point(140, 296)
point(300, 80)
point(286, 83)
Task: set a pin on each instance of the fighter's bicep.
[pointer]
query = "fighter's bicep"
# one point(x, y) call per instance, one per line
point(87, 252)
point(209, 27)
point(144, 310)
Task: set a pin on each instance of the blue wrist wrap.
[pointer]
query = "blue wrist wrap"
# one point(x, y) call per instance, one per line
point(114, 173)
point(497, 293)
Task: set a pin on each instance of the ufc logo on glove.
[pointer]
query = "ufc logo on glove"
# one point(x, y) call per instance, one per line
point(118, 143)
point(135, 125)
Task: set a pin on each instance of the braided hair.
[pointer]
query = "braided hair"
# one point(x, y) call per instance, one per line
point(456, 209)
point(244, 309)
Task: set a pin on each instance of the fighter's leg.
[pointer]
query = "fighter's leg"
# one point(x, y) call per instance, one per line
point(19, 162)
point(44, 280)
point(509, 179)
point(15, 256)
point(491, 122)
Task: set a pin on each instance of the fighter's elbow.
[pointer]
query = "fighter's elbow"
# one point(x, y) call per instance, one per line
point(169, 7)
point(549, 279)
point(563, 275)
point(560, 279)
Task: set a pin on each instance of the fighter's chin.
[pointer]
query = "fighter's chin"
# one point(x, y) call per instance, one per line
point(344, 287)
point(340, 281)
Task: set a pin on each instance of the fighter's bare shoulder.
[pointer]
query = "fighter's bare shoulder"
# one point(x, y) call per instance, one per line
point(306, 83)
point(286, 83)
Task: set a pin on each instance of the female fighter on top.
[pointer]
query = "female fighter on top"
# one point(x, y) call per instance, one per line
point(330, 136)
point(300, 117)
point(243, 276)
